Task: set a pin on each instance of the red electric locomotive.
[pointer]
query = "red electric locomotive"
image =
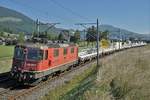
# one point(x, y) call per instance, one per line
point(33, 62)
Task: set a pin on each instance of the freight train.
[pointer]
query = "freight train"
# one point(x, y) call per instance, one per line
point(33, 63)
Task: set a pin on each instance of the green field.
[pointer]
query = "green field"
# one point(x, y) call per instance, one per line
point(5, 65)
point(6, 53)
point(84, 45)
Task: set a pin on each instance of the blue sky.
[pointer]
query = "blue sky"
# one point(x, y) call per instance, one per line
point(133, 15)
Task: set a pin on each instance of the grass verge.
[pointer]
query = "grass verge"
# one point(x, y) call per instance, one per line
point(123, 76)
point(70, 88)
point(6, 52)
point(5, 65)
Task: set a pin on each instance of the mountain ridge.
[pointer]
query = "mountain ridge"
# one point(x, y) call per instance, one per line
point(117, 33)
point(14, 22)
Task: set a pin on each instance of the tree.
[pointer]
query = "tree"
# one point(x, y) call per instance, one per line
point(91, 34)
point(60, 36)
point(132, 39)
point(76, 37)
point(72, 39)
point(2, 34)
point(104, 43)
point(55, 38)
point(34, 34)
point(21, 37)
point(49, 36)
point(104, 35)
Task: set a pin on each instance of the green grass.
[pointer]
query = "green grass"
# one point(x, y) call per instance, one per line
point(84, 45)
point(6, 51)
point(123, 76)
point(61, 91)
point(5, 65)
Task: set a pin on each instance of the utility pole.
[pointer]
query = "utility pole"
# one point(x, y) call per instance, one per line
point(85, 27)
point(97, 38)
point(37, 27)
point(97, 43)
point(84, 37)
point(48, 24)
point(119, 37)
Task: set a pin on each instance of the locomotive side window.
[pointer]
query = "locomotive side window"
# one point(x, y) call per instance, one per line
point(65, 51)
point(34, 54)
point(40, 54)
point(72, 50)
point(46, 55)
point(56, 53)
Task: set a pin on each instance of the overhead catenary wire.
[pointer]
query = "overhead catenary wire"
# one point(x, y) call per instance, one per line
point(69, 10)
point(62, 19)
point(46, 14)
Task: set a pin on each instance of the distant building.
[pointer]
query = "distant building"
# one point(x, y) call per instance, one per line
point(27, 36)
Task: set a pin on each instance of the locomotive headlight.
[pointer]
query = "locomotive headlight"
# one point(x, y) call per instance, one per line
point(12, 74)
point(24, 76)
point(31, 76)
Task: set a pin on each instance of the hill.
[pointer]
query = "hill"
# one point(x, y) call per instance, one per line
point(116, 33)
point(13, 22)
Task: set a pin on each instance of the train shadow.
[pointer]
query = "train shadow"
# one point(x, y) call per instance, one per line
point(7, 83)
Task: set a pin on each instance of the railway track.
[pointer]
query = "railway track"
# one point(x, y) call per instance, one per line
point(6, 87)
point(12, 90)
point(16, 92)
point(25, 93)
point(6, 84)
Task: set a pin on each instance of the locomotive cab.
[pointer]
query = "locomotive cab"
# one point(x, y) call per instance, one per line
point(26, 61)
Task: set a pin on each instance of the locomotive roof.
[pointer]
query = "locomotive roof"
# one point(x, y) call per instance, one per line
point(49, 45)
point(57, 45)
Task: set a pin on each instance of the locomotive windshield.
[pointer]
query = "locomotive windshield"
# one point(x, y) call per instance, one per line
point(19, 53)
point(34, 54)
